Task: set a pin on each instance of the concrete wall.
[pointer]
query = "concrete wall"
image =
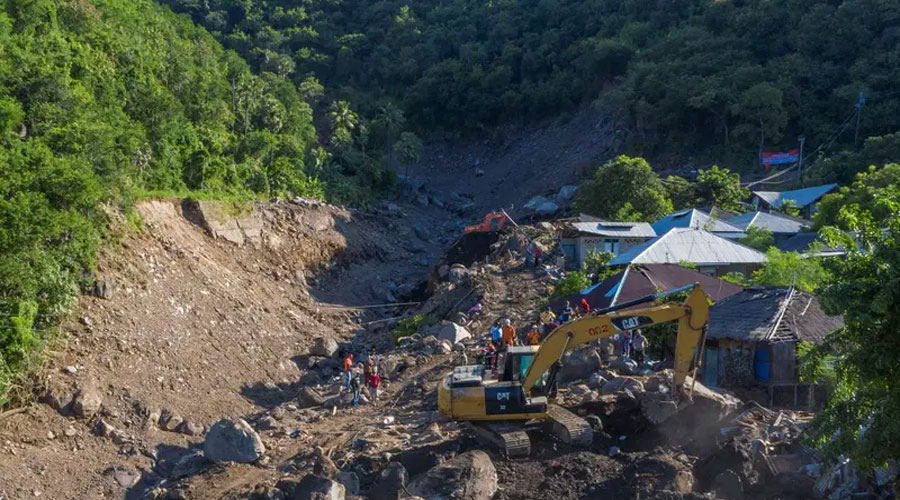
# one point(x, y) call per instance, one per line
point(585, 244)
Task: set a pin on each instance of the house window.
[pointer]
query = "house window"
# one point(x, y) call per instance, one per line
point(611, 246)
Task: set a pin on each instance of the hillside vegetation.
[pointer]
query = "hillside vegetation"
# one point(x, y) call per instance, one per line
point(701, 77)
point(102, 101)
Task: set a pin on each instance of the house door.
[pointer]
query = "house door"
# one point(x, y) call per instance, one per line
point(711, 367)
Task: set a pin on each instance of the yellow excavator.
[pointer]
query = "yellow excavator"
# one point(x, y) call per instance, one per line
point(522, 393)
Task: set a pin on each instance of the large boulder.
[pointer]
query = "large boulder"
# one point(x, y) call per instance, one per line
point(470, 476)
point(233, 441)
point(325, 347)
point(625, 365)
point(457, 273)
point(566, 194)
point(579, 364)
point(307, 397)
point(546, 208)
point(450, 332)
point(535, 202)
point(620, 384)
point(312, 487)
point(391, 483)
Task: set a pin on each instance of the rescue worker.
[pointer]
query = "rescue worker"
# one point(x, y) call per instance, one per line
point(548, 319)
point(566, 315)
point(348, 369)
point(585, 307)
point(496, 333)
point(355, 385)
point(639, 346)
point(509, 333)
point(534, 336)
point(374, 381)
point(368, 364)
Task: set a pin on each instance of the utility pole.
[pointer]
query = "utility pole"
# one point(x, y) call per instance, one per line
point(800, 161)
point(859, 106)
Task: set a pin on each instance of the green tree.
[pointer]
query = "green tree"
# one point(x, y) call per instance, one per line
point(408, 148)
point(761, 108)
point(790, 208)
point(791, 269)
point(596, 267)
point(680, 191)
point(574, 282)
point(874, 190)
point(720, 188)
point(860, 420)
point(759, 238)
point(390, 120)
point(343, 121)
point(624, 180)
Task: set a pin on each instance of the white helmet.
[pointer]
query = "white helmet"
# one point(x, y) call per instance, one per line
point(506, 321)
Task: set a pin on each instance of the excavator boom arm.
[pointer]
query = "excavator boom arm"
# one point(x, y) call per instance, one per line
point(692, 316)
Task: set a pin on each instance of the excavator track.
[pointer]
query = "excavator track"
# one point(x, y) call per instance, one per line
point(569, 427)
point(510, 437)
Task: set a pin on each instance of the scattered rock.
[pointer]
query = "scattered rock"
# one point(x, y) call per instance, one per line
point(59, 399)
point(189, 465)
point(103, 289)
point(469, 476)
point(312, 487)
point(307, 397)
point(479, 172)
point(324, 466)
point(126, 477)
point(684, 482)
point(391, 483)
point(87, 402)
point(727, 484)
point(657, 407)
point(392, 208)
point(233, 441)
point(579, 364)
point(104, 429)
point(422, 200)
point(191, 428)
point(172, 423)
point(266, 423)
point(350, 481)
point(596, 381)
point(70, 431)
point(70, 370)
point(325, 347)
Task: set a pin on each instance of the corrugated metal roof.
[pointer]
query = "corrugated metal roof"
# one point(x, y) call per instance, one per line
point(776, 223)
point(800, 197)
point(690, 245)
point(641, 280)
point(694, 218)
point(771, 313)
point(801, 242)
point(616, 229)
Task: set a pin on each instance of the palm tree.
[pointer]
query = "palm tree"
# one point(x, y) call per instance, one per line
point(391, 118)
point(343, 119)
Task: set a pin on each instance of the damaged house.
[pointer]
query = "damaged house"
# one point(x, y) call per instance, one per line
point(580, 238)
point(753, 335)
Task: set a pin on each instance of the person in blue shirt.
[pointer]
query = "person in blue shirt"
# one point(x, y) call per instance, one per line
point(496, 333)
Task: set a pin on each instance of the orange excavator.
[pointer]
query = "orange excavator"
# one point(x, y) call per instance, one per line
point(493, 221)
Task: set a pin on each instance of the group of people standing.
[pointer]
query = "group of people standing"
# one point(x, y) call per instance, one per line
point(363, 372)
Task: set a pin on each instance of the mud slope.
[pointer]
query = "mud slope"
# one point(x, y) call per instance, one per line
point(519, 162)
point(197, 327)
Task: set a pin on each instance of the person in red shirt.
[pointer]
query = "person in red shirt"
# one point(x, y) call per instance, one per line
point(348, 368)
point(374, 382)
point(585, 307)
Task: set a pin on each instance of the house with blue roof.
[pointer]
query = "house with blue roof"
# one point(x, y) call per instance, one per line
point(806, 198)
point(698, 219)
point(780, 225)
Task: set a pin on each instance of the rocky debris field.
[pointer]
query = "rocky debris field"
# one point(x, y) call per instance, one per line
point(209, 367)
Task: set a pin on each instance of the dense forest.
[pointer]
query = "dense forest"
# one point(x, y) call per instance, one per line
point(685, 77)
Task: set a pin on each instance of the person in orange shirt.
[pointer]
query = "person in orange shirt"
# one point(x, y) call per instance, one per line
point(348, 368)
point(534, 336)
point(509, 333)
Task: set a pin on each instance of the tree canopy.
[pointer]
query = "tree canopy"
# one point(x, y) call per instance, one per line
point(684, 77)
point(625, 189)
point(860, 420)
